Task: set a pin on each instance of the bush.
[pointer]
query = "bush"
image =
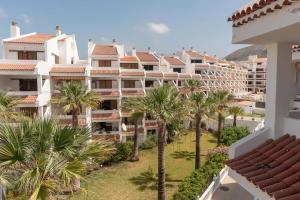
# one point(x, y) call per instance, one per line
point(149, 143)
point(123, 151)
point(195, 184)
point(232, 134)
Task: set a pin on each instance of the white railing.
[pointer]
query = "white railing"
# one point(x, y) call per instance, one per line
point(105, 111)
point(105, 89)
point(70, 116)
point(22, 93)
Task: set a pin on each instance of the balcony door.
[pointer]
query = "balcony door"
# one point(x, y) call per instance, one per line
point(28, 85)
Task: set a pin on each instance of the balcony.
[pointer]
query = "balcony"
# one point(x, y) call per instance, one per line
point(149, 124)
point(132, 92)
point(105, 72)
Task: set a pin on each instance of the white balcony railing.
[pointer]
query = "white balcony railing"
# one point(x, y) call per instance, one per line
point(22, 93)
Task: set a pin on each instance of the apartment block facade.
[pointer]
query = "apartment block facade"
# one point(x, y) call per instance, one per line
point(35, 65)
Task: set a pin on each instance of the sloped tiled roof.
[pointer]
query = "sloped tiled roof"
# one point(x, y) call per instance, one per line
point(146, 57)
point(105, 72)
point(256, 9)
point(105, 50)
point(194, 54)
point(28, 100)
point(173, 60)
point(17, 67)
point(33, 39)
point(129, 59)
point(274, 167)
point(67, 70)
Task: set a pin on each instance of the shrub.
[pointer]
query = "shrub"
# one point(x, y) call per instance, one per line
point(149, 143)
point(195, 184)
point(232, 134)
point(123, 151)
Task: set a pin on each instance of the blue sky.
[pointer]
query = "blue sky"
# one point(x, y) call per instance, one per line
point(164, 25)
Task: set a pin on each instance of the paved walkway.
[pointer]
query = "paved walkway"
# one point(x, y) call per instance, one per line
point(230, 190)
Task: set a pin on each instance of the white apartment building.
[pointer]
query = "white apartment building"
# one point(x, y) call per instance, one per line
point(267, 163)
point(34, 66)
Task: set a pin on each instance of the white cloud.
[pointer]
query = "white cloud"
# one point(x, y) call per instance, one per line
point(2, 13)
point(158, 28)
point(26, 19)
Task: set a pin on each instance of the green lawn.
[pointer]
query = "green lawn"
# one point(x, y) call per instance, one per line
point(133, 181)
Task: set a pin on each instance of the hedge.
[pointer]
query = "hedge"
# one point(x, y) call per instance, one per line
point(230, 135)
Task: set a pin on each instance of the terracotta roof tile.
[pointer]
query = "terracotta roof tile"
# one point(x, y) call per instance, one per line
point(105, 116)
point(105, 72)
point(106, 50)
point(274, 167)
point(132, 73)
point(173, 60)
point(110, 94)
point(194, 54)
point(129, 59)
point(28, 100)
point(137, 92)
point(154, 74)
point(171, 75)
point(68, 77)
point(33, 39)
point(146, 57)
point(67, 70)
point(16, 67)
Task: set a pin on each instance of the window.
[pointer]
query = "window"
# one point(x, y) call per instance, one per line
point(109, 105)
point(27, 55)
point(148, 67)
point(28, 85)
point(196, 61)
point(102, 84)
point(129, 65)
point(149, 83)
point(104, 63)
point(56, 59)
point(178, 70)
point(129, 84)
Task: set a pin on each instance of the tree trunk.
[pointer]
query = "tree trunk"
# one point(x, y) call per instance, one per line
point(198, 135)
point(161, 162)
point(75, 119)
point(135, 150)
point(219, 127)
point(234, 120)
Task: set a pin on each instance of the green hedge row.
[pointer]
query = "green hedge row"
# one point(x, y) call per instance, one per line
point(195, 184)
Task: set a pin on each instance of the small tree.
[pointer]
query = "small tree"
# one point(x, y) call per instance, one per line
point(72, 96)
point(235, 111)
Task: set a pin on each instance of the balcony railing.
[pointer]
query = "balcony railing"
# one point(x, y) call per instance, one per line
point(22, 93)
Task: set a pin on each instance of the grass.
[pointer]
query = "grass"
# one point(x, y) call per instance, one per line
point(137, 180)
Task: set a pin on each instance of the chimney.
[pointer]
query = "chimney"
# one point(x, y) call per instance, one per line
point(133, 51)
point(149, 49)
point(114, 41)
point(14, 29)
point(58, 30)
point(192, 48)
point(90, 46)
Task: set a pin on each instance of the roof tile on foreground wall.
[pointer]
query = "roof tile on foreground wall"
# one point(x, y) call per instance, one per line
point(16, 67)
point(257, 9)
point(105, 116)
point(146, 57)
point(173, 60)
point(105, 50)
point(274, 167)
point(67, 70)
point(194, 54)
point(105, 72)
point(28, 100)
point(33, 39)
point(154, 74)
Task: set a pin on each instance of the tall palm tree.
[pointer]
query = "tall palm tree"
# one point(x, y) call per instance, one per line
point(137, 114)
point(8, 107)
point(165, 105)
point(72, 96)
point(235, 111)
point(220, 100)
point(41, 158)
point(199, 108)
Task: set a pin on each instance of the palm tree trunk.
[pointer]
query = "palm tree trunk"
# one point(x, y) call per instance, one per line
point(75, 118)
point(198, 135)
point(135, 150)
point(219, 127)
point(234, 120)
point(161, 188)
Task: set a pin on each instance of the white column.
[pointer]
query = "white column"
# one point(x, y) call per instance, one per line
point(88, 110)
point(39, 84)
point(280, 86)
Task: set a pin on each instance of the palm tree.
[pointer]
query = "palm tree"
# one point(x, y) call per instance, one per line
point(41, 158)
point(8, 107)
point(136, 116)
point(72, 96)
point(220, 101)
point(165, 105)
point(193, 84)
point(235, 111)
point(199, 107)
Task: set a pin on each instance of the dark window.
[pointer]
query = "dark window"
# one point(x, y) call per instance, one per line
point(129, 65)
point(178, 70)
point(27, 55)
point(148, 67)
point(196, 61)
point(56, 59)
point(28, 84)
point(129, 84)
point(109, 105)
point(179, 83)
point(149, 83)
point(102, 84)
point(104, 63)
